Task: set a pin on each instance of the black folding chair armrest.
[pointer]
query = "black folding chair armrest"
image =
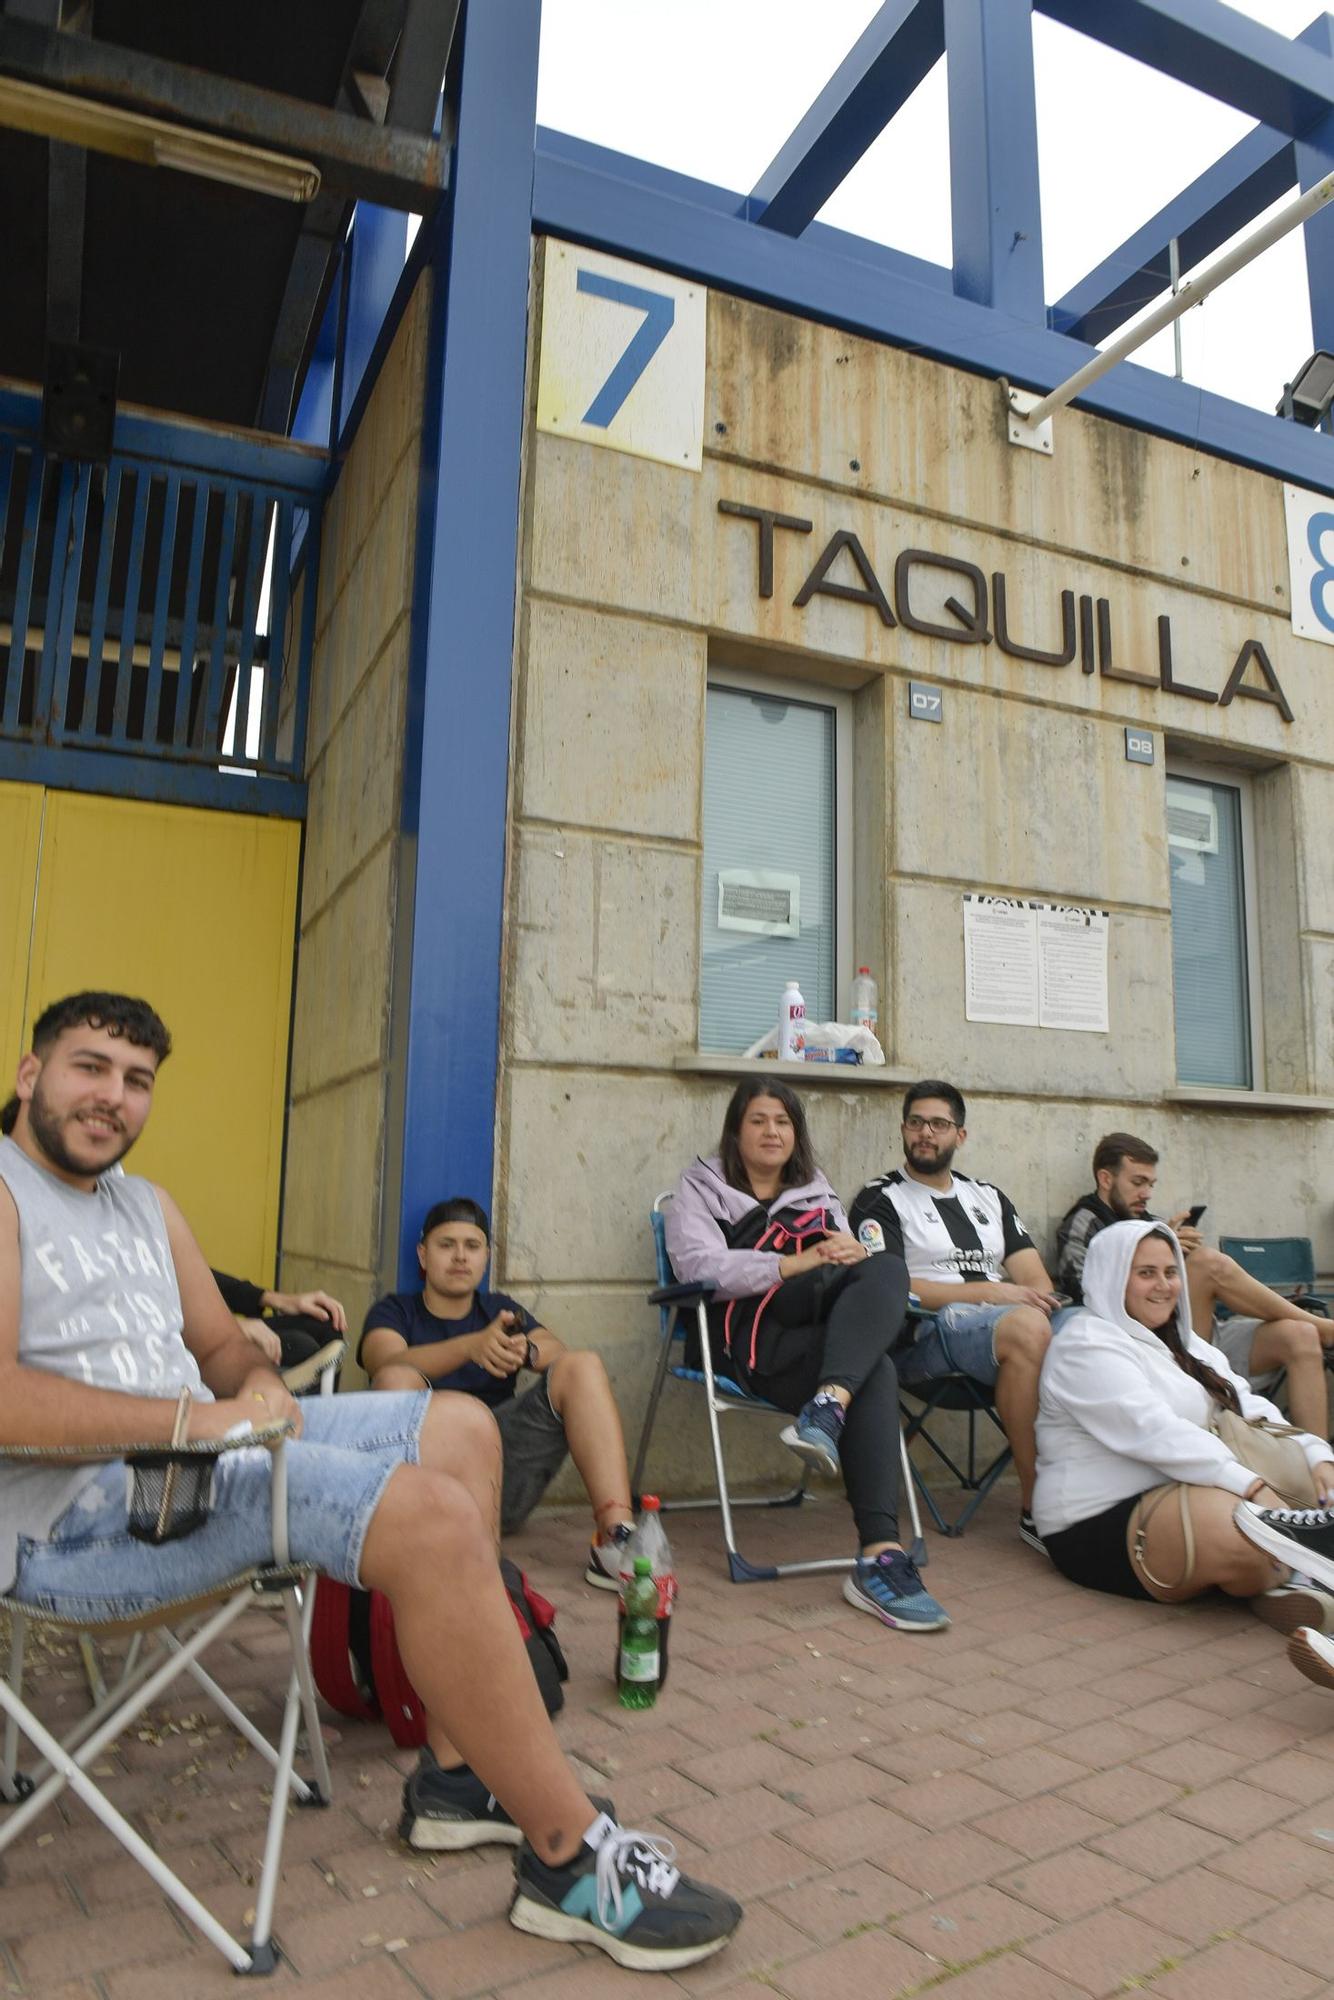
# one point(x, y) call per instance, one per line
point(679, 1295)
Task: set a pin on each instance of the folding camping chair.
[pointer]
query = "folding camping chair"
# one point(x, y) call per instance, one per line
point(170, 1496)
point(677, 1305)
point(955, 1392)
point(1285, 1263)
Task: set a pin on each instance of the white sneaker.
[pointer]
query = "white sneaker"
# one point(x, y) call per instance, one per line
point(1313, 1655)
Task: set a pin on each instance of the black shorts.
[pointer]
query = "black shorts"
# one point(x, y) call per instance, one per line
point(1094, 1552)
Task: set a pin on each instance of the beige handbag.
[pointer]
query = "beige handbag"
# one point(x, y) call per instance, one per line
point(1267, 1449)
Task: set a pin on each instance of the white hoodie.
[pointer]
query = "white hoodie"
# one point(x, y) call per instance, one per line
point(1116, 1415)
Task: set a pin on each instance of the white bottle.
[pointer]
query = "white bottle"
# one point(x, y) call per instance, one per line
point(792, 1024)
point(864, 999)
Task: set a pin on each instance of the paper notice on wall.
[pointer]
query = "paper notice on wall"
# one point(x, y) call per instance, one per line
point(1035, 965)
point(1000, 949)
point(1072, 968)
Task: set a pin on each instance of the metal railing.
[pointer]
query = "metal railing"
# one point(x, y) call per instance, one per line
point(154, 607)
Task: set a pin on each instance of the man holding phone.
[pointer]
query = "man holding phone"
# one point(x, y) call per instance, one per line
point(1266, 1333)
point(454, 1334)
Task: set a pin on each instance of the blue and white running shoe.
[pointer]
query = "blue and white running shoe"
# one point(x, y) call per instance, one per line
point(815, 1435)
point(889, 1587)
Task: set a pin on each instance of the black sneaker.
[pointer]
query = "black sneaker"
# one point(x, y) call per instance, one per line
point(1028, 1532)
point(1301, 1537)
point(446, 1811)
point(626, 1897)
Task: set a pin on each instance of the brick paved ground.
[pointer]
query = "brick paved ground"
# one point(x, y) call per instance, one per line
point(1064, 1795)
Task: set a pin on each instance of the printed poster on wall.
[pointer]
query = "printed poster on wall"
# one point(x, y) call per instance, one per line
point(1035, 965)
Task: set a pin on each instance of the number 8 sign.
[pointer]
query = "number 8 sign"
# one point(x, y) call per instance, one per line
point(1311, 562)
point(622, 356)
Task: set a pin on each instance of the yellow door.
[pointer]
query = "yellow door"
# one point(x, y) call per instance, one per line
point(196, 912)
point(20, 839)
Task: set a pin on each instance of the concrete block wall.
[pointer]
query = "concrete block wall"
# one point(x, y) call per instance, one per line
point(633, 584)
point(340, 1037)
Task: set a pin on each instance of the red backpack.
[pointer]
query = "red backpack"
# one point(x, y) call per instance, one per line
point(354, 1654)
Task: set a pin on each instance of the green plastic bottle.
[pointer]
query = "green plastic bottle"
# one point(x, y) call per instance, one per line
point(637, 1664)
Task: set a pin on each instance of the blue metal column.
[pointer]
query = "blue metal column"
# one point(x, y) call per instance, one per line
point(994, 156)
point(1315, 159)
point(456, 756)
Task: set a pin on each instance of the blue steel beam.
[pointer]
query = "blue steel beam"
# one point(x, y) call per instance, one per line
point(644, 217)
point(456, 758)
point(996, 208)
point(1212, 48)
point(1314, 159)
point(1258, 170)
point(875, 79)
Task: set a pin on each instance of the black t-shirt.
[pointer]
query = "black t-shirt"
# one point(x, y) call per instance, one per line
point(406, 1313)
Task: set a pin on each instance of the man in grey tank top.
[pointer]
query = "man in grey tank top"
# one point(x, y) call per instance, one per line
point(107, 1311)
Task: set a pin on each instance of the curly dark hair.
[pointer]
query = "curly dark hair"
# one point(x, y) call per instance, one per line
point(800, 1165)
point(117, 1013)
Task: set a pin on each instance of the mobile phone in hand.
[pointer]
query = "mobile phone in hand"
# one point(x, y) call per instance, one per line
point(1193, 1218)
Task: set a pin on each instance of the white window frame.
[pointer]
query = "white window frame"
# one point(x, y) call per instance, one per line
point(1240, 782)
point(780, 688)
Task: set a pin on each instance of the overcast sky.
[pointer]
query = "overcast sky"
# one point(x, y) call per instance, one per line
point(713, 87)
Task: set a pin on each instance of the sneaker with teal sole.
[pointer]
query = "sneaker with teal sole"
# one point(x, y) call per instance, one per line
point(889, 1587)
point(625, 1896)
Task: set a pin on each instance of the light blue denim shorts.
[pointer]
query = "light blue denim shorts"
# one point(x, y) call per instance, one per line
point(956, 1340)
point(90, 1565)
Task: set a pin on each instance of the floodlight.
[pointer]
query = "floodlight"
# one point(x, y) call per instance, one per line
point(1306, 399)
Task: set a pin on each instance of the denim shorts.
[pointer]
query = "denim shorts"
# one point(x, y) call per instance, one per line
point(532, 1438)
point(956, 1340)
point(91, 1567)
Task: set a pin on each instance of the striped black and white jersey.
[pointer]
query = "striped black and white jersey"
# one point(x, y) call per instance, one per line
point(955, 1238)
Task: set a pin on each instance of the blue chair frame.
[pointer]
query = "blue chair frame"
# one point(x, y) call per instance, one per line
point(723, 1397)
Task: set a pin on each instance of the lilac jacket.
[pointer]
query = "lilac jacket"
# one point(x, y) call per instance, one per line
point(703, 1202)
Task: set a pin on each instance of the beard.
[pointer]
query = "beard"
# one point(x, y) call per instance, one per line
point(929, 1156)
point(48, 1129)
point(1122, 1209)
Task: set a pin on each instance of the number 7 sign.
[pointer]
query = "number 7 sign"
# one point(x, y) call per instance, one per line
point(622, 356)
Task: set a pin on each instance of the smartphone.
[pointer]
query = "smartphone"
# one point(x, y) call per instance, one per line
point(1193, 1219)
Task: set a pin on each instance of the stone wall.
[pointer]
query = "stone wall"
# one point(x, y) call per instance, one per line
point(633, 582)
point(340, 1037)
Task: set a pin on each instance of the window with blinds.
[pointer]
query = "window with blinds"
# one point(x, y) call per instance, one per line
point(769, 908)
point(1210, 970)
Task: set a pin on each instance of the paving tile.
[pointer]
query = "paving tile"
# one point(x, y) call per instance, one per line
point(766, 1940)
point(1198, 1904)
point(1104, 1952)
point(734, 1770)
point(1191, 1763)
point(961, 1928)
point(1009, 1977)
point(1237, 1971)
point(1294, 1775)
point(847, 1900)
point(1008, 1729)
point(766, 1865)
point(1121, 1794)
point(873, 1966)
point(1276, 1863)
point(718, 1822)
point(1025, 1773)
point(1233, 1807)
point(1039, 1826)
point(324, 1940)
point(922, 1756)
point(954, 1859)
point(1159, 1844)
point(1302, 1931)
point(1072, 1885)
point(475, 1960)
point(468, 1894)
point(947, 1800)
point(862, 1832)
point(95, 1944)
point(843, 1782)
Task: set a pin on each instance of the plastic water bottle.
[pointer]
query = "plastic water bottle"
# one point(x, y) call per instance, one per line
point(792, 1024)
point(864, 999)
point(650, 1542)
point(638, 1668)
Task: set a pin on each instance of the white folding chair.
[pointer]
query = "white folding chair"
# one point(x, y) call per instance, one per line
point(723, 1397)
point(168, 1481)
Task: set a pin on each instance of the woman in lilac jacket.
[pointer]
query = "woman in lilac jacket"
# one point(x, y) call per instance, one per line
point(805, 1317)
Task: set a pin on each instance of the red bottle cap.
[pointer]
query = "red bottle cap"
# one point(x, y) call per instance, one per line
point(650, 1503)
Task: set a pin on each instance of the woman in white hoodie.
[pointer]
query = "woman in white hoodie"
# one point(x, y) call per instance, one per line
point(805, 1318)
point(1124, 1407)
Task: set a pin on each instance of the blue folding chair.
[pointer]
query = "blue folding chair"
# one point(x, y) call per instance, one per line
point(677, 1305)
point(1285, 1263)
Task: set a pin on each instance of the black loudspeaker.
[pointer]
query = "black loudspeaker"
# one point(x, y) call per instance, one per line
point(79, 400)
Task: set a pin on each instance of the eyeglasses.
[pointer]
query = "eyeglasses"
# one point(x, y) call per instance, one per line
point(937, 1127)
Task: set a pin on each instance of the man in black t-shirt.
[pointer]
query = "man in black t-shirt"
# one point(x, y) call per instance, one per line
point(457, 1336)
point(987, 1297)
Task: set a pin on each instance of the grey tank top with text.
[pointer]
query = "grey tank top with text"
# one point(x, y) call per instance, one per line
point(99, 1303)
